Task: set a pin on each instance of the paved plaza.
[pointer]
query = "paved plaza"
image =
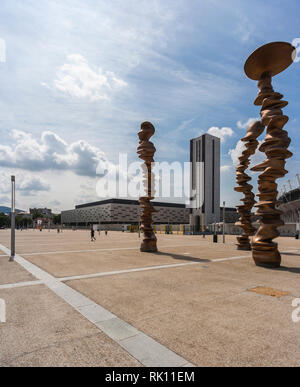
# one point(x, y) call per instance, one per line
point(71, 302)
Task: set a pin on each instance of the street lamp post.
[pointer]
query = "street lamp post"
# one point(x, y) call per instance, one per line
point(224, 203)
point(99, 225)
point(13, 217)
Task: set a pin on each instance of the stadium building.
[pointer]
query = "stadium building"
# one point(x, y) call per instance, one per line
point(289, 204)
point(123, 211)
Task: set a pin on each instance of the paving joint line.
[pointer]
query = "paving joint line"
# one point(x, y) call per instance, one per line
point(147, 268)
point(116, 272)
point(96, 250)
point(20, 285)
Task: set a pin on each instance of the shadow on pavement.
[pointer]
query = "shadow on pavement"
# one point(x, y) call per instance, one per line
point(183, 257)
point(290, 269)
point(294, 254)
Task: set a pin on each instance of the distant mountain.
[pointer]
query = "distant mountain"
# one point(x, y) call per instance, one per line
point(6, 210)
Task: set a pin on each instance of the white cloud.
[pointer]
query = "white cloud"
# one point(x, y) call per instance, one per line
point(55, 203)
point(226, 168)
point(26, 185)
point(4, 200)
point(79, 80)
point(31, 185)
point(235, 153)
point(244, 29)
point(44, 84)
point(221, 133)
point(51, 152)
point(245, 125)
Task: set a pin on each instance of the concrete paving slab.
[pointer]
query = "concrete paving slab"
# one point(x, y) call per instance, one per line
point(11, 272)
point(149, 292)
point(210, 338)
point(202, 312)
point(42, 330)
point(151, 353)
point(118, 272)
point(95, 313)
point(74, 299)
point(91, 351)
point(207, 317)
point(87, 263)
point(117, 329)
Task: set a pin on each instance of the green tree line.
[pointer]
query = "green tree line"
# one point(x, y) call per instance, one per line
point(22, 221)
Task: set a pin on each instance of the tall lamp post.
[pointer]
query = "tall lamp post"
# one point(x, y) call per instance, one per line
point(140, 222)
point(13, 218)
point(224, 203)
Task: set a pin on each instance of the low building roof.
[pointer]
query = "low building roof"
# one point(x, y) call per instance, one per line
point(129, 202)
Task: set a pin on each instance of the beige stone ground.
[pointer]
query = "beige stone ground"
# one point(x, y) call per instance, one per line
point(42, 330)
point(203, 312)
point(12, 273)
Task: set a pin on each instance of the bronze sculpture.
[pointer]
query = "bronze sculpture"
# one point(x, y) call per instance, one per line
point(146, 151)
point(242, 179)
point(265, 62)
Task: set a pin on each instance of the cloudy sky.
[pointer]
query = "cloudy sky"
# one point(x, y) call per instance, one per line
point(77, 79)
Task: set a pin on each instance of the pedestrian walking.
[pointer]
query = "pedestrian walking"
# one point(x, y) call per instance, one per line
point(93, 239)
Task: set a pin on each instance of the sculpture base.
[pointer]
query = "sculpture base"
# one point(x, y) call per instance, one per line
point(244, 248)
point(244, 243)
point(266, 257)
point(149, 245)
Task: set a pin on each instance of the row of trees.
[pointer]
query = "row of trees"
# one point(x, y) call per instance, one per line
point(4, 220)
point(22, 221)
point(57, 219)
point(36, 215)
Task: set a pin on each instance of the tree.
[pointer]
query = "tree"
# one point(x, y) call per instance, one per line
point(19, 220)
point(36, 214)
point(57, 219)
point(27, 222)
point(23, 221)
point(4, 220)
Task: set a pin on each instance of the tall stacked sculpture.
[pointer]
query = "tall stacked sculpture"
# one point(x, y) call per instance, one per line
point(242, 179)
point(146, 151)
point(262, 65)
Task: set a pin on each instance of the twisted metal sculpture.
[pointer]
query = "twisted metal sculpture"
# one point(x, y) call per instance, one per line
point(146, 151)
point(242, 179)
point(264, 63)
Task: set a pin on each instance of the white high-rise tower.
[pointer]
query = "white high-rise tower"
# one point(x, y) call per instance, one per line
point(205, 180)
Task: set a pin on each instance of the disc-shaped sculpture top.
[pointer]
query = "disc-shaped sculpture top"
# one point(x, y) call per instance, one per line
point(271, 58)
